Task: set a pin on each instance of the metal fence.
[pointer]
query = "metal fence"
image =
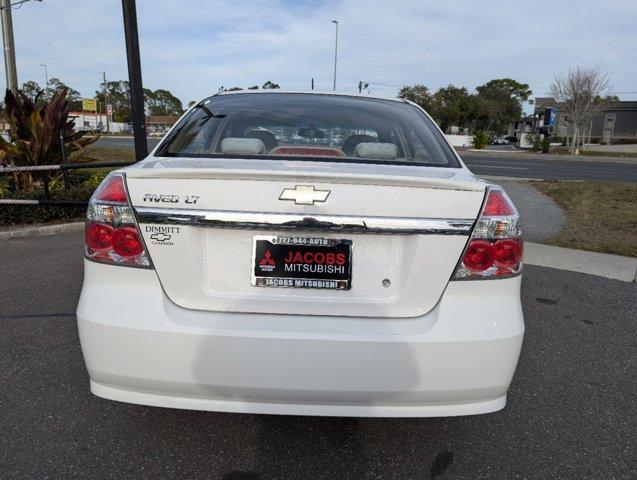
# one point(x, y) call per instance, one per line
point(46, 178)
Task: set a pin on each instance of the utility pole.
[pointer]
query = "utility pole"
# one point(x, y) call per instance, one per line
point(335, 52)
point(9, 46)
point(135, 78)
point(108, 130)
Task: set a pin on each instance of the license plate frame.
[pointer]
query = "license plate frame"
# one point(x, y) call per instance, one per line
point(266, 268)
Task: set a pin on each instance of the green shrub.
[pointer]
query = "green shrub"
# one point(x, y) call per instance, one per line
point(5, 185)
point(535, 140)
point(26, 214)
point(546, 144)
point(480, 140)
point(83, 183)
point(89, 177)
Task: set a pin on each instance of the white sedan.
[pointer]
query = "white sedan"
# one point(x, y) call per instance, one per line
point(297, 253)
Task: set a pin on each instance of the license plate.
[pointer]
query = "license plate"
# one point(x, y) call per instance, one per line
point(301, 262)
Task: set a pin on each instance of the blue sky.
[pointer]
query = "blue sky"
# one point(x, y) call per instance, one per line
point(193, 47)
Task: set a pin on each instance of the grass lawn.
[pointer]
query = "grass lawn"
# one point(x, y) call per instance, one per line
point(105, 154)
point(593, 153)
point(600, 216)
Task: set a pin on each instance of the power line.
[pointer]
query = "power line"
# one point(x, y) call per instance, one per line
point(612, 92)
point(16, 5)
point(386, 84)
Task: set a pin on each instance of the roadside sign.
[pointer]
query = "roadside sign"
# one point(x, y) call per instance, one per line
point(109, 109)
point(550, 116)
point(89, 105)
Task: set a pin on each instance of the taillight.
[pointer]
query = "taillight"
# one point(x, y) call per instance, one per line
point(479, 256)
point(495, 247)
point(111, 234)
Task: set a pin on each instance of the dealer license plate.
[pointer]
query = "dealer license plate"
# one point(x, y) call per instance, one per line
point(301, 262)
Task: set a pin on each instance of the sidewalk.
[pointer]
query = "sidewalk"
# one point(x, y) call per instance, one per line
point(580, 261)
point(8, 233)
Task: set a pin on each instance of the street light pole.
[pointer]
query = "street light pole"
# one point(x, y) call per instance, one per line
point(9, 46)
point(335, 52)
point(108, 130)
point(46, 76)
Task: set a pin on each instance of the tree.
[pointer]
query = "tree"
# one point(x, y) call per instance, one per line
point(162, 102)
point(73, 96)
point(508, 87)
point(497, 103)
point(118, 93)
point(453, 106)
point(419, 94)
point(580, 92)
point(191, 103)
point(500, 101)
point(270, 85)
point(31, 89)
point(158, 102)
point(254, 87)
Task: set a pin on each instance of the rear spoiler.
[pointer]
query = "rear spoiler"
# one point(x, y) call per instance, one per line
point(445, 178)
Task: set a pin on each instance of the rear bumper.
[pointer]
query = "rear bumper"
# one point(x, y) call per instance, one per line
point(458, 359)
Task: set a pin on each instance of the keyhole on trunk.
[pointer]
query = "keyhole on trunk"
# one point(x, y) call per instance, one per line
point(386, 282)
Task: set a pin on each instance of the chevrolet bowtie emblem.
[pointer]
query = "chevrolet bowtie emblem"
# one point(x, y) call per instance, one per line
point(160, 236)
point(304, 195)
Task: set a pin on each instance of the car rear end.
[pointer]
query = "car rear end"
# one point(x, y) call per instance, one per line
point(379, 279)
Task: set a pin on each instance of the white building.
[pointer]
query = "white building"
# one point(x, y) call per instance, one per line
point(97, 122)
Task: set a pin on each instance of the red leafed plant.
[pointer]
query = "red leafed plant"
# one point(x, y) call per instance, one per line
point(34, 133)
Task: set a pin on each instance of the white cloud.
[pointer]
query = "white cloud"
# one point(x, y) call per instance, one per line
point(194, 47)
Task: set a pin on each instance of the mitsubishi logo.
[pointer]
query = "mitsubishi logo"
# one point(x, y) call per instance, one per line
point(267, 259)
point(304, 195)
point(267, 264)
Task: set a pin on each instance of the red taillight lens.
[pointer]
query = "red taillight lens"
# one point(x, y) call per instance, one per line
point(479, 256)
point(112, 190)
point(497, 205)
point(99, 236)
point(111, 233)
point(495, 246)
point(126, 242)
point(508, 253)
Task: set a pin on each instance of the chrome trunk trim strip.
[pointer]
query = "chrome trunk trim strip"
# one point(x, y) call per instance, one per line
point(292, 221)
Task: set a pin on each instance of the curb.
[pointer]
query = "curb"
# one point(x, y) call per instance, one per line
point(600, 264)
point(27, 232)
point(592, 263)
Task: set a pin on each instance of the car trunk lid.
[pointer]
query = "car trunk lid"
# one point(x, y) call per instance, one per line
point(406, 227)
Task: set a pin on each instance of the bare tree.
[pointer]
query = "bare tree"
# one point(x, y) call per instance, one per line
point(580, 91)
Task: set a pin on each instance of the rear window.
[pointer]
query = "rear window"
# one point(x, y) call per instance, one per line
point(311, 127)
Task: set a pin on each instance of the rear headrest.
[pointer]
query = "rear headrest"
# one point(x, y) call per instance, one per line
point(242, 146)
point(387, 151)
point(266, 136)
point(350, 142)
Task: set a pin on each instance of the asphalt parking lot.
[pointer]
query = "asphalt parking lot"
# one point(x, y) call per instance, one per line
point(571, 410)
